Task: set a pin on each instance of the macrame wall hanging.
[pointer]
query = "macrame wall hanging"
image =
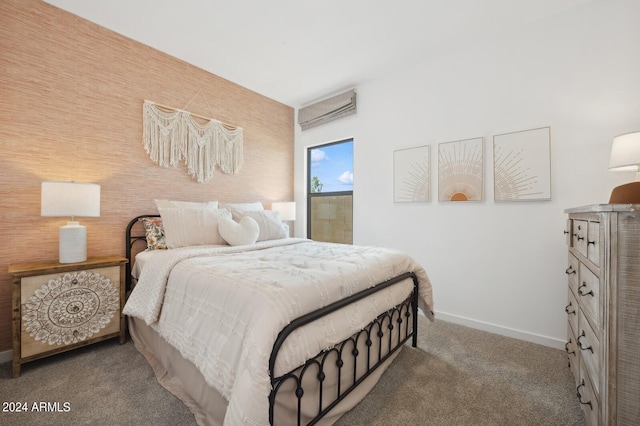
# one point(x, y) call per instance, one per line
point(171, 135)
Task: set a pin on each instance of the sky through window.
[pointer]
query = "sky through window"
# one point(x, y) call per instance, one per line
point(333, 167)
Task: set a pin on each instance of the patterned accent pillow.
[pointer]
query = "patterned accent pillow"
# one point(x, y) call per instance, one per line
point(155, 233)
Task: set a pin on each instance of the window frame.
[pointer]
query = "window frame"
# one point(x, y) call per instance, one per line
point(310, 194)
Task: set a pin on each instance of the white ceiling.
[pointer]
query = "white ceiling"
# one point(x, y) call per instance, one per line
point(297, 51)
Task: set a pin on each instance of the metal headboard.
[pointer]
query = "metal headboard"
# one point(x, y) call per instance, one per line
point(130, 241)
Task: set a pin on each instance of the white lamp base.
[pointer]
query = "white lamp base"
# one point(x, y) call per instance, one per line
point(73, 243)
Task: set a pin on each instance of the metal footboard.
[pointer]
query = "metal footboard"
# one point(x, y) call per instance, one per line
point(380, 339)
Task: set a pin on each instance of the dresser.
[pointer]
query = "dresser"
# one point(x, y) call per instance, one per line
point(603, 311)
point(58, 307)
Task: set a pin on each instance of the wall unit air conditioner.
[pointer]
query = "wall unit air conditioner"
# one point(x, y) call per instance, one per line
point(327, 110)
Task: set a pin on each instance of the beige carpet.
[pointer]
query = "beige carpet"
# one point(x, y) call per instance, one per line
point(457, 376)
point(460, 376)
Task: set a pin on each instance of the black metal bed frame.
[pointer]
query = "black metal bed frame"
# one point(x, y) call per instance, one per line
point(130, 241)
point(371, 346)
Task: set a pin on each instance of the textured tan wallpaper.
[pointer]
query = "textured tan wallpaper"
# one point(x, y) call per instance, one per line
point(71, 97)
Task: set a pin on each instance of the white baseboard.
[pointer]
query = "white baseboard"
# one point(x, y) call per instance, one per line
point(6, 356)
point(503, 331)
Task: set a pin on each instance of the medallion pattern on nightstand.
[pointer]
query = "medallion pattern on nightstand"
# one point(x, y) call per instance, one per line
point(71, 308)
point(57, 307)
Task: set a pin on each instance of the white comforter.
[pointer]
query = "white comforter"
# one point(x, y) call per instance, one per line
point(223, 307)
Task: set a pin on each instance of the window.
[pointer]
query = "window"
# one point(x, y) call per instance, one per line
point(330, 192)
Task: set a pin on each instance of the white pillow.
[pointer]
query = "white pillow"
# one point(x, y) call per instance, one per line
point(237, 234)
point(167, 204)
point(245, 207)
point(237, 209)
point(270, 224)
point(191, 227)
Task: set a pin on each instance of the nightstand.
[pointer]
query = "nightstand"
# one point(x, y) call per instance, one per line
point(62, 306)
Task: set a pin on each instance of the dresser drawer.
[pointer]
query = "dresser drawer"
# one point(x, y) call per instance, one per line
point(572, 273)
point(588, 294)
point(587, 397)
point(593, 242)
point(572, 311)
point(589, 351)
point(579, 236)
point(572, 352)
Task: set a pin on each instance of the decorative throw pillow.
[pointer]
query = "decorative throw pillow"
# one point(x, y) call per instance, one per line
point(154, 232)
point(237, 234)
point(271, 227)
point(192, 227)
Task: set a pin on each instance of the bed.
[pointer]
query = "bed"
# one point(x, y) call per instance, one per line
point(279, 331)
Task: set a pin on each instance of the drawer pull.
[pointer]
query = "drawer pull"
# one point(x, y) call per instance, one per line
point(580, 238)
point(584, 284)
point(566, 232)
point(590, 348)
point(591, 242)
point(566, 348)
point(580, 395)
point(570, 270)
point(566, 309)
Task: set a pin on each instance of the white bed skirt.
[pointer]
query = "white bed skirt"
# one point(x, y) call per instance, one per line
point(180, 377)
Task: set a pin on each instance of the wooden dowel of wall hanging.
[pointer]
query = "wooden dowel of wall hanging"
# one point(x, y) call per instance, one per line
point(227, 125)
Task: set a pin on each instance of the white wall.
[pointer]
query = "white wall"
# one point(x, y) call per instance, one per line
point(496, 266)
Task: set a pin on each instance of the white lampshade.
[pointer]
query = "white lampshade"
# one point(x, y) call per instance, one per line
point(71, 199)
point(287, 210)
point(625, 152)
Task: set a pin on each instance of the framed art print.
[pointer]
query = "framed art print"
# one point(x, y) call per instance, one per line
point(522, 165)
point(411, 175)
point(461, 170)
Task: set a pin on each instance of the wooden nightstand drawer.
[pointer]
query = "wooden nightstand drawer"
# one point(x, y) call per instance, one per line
point(72, 307)
point(59, 307)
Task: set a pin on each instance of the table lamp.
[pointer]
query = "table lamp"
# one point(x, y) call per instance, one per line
point(72, 199)
point(287, 210)
point(625, 156)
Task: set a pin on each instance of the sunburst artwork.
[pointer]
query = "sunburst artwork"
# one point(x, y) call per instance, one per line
point(461, 170)
point(522, 165)
point(411, 175)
